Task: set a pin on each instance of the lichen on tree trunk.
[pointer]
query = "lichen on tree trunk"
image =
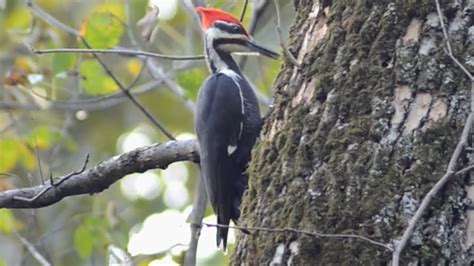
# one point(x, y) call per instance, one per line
point(360, 134)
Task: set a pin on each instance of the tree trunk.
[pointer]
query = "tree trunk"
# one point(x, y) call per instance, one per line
point(360, 134)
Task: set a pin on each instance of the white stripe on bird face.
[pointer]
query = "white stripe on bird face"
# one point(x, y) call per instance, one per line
point(213, 33)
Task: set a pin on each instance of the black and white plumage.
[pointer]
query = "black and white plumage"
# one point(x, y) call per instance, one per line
point(227, 118)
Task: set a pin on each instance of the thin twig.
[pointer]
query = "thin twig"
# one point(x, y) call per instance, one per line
point(195, 220)
point(451, 170)
point(39, 12)
point(156, 71)
point(434, 190)
point(464, 170)
point(119, 52)
point(9, 175)
point(68, 123)
point(286, 51)
point(51, 185)
point(199, 204)
point(34, 252)
point(127, 93)
point(448, 44)
point(89, 104)
point(305, 232)
point(255, 18)
point(197, 3)
point(138, 76)
point(84, 166)
point(48, 18)
point(38, 159)
point(244, 10)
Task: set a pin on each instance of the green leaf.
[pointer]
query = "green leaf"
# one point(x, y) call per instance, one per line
point(63, 62)
point(103, 30)
point(95, 222)
point(2, 262)
point(94, 80)
point(20, 17)
point(83, 240)
point(116, 9)
point(7, 221)
point(43, 137)
point(191, 81)
point(8, 154)
point(27, 157)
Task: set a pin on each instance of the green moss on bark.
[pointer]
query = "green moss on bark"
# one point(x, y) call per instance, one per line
point(336, 163)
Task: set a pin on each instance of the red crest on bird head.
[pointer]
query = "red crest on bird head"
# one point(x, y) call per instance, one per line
point(209, 15)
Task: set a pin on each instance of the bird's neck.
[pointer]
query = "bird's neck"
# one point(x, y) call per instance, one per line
point(218, 60)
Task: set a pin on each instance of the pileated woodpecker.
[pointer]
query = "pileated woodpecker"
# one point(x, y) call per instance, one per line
point(227, 118)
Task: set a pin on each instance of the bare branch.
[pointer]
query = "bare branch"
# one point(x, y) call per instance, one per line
point(244, 10)
point(48, 18)
point(104, 174)
point(157, 73)
point(448, 44)
point(39, 12)
point(255, 19)
point(52, 184)
point(97, 103)
point(304, 232)
point(119, 52)
point(197, 3)
point(34, 252)
point(464, 170)
point(38, 159)
point(286, 51)
point(195, 219)
point(127, 93)
point(257, 14)
point(451, 170)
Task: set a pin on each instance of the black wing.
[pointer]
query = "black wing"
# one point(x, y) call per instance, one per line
point(219, 121)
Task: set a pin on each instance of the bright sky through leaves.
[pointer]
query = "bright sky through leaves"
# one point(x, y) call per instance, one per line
point(167, 8)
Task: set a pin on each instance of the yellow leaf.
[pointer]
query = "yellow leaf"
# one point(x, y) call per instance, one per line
point(20, 17)
point(113, 8)
point(134, 66)
point(104, 27)
point(83, 241)
point(8, 222)
point(82, 28)
point(109, 86)
point(94, 80)
point(24, 63)
point(8, 154)
point(27, 157)
point(42, 137)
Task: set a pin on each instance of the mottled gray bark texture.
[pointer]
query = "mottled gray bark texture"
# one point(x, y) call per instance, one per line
point(360, 134)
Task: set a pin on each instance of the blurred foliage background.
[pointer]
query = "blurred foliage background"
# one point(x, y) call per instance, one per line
point(56, 108)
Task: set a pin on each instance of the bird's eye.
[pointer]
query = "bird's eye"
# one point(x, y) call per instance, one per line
point(236, 29)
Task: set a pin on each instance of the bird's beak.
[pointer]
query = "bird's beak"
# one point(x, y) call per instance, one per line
point(255, 47)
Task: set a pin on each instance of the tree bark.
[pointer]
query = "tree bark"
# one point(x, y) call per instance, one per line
point(360, 133)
